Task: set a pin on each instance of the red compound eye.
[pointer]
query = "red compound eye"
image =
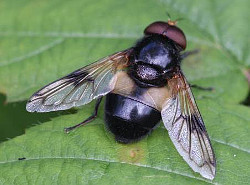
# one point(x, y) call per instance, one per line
point(169, 30)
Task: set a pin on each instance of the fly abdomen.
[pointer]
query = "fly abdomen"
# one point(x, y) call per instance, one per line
point(128, 119)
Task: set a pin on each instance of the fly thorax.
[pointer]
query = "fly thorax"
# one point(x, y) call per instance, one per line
point(146, 72)
point(152, 60)
point(146, 75)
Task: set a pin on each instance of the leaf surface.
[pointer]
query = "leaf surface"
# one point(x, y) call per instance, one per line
point(41, 41)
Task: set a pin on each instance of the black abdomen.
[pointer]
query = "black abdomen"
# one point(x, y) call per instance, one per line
point(128, 119)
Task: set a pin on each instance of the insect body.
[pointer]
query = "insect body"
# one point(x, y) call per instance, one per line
point(128, 116)
point(143, 85)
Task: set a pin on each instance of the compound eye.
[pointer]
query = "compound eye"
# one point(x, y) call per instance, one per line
point(171, 31)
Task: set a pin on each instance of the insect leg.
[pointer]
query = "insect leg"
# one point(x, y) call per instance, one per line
point(89, 119)
point(202, 88)
point(187, 53)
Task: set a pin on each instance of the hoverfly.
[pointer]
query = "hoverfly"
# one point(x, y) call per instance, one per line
point(143, 85)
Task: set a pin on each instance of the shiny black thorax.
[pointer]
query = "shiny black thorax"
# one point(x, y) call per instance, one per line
point(153, 60)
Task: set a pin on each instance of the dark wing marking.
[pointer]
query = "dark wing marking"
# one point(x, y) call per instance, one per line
point(79, 87)
point(186, 128)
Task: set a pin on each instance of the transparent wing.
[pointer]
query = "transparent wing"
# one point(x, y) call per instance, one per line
point(186, 128)
point(79, 87)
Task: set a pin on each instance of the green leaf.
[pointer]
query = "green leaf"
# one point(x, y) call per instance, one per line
point(41, 41)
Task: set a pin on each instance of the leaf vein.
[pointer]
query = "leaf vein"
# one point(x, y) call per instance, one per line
point(32, 53)
point(119, 162)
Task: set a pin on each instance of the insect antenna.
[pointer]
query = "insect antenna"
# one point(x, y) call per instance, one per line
point(173, 23)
